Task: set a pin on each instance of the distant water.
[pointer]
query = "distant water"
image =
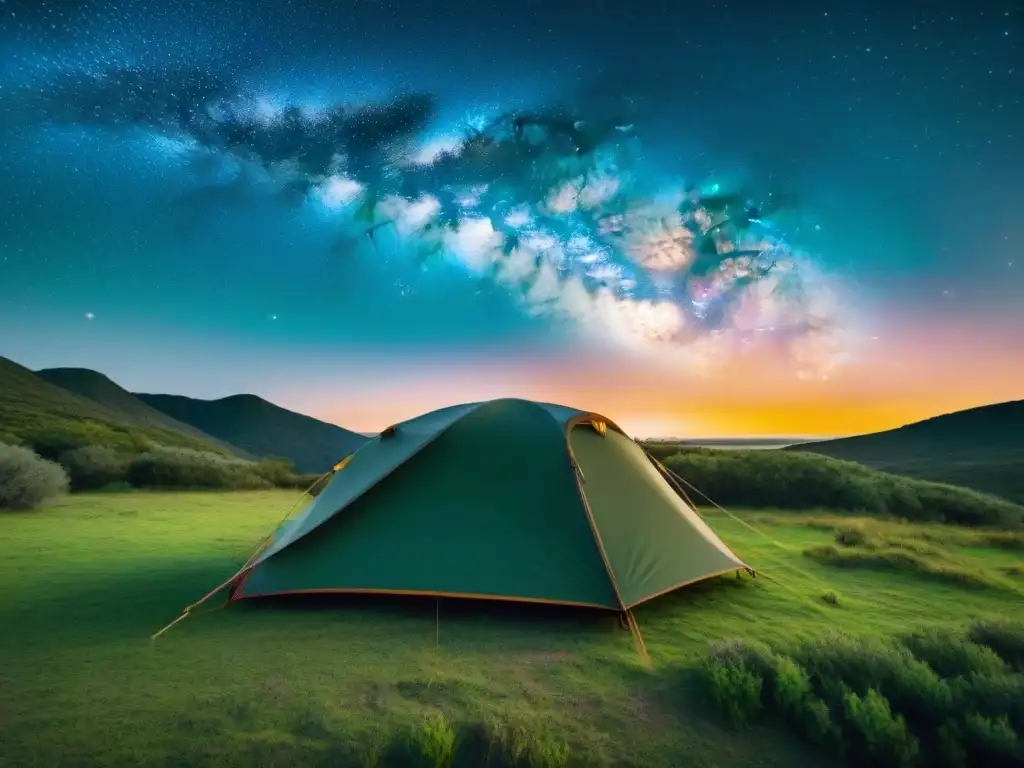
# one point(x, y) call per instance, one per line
point(739, 443)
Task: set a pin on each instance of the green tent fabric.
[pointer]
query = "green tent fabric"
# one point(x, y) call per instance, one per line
point(506, 499)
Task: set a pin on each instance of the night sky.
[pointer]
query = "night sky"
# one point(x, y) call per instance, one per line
point(700, 218)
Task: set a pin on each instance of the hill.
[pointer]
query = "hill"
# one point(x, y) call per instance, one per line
point(980, 448)
point(262, 428)
point(96, 387)
point(50, 419)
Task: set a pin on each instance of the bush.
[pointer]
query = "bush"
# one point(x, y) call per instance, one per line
point(93, 466)
point(433, 743)
point(1004, 637)
point(991, 742)
point(884, 737)
point(187, 468)
point(26, 479)
point(875, 702)
point(953, 654)
point(277, 472)
point(798, 481)
point(896, 559)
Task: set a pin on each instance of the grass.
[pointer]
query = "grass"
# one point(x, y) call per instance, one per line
point(84, 582)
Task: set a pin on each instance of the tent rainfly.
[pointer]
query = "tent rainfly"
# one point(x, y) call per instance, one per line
point(500, 500)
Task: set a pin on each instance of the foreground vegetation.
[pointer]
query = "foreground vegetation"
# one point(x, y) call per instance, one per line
point(85, 581)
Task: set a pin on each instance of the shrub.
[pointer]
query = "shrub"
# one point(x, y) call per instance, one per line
point(895, 559)
point(277, 472)
point(26, 479)
point(734, 680)
point(991, 741)
point(187, 468)
point(831, 597)
point(1004, 637)
point(797, 480)
point(94, 466)
point(433, 743)
point(851, 537)
point(953, 654)
point(861, 664)
point(992, 695)
point(884, 737)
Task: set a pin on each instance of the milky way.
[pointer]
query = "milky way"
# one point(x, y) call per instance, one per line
point(557, 204)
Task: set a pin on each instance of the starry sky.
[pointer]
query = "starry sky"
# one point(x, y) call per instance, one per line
point(702, 219)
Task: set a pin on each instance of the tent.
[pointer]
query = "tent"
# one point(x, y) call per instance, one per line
point(503, 500)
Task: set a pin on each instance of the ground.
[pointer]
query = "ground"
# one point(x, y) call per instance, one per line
point(86, 581)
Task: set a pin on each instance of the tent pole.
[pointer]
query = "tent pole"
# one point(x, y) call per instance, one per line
point(635, 628)
point(437, 624)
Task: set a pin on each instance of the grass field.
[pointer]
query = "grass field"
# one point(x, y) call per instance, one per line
point(84, 583)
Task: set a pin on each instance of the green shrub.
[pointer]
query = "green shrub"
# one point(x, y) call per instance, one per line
point(992, 695)
point(1004, 637)
point(277, 472)
point(952, 654)
point(851, 537)
point(861, 664)
point(186, 468)
point(830, 597)
point(734, 680)
point(895, 559)
point(94, 466)
point(6, 438)
point(801, 481)
point(52, 440)
point(991, 742)
point(27, 480)
point(884, 737)
point(433, 743)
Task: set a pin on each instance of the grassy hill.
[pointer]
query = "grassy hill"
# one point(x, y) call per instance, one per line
point(980, 448)
point(50, 419)
point(99, 389)
point(262, 428)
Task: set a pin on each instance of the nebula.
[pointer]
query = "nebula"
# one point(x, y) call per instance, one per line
point(557, 205)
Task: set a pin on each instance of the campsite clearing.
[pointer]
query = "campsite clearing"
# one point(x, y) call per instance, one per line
point(85, 582)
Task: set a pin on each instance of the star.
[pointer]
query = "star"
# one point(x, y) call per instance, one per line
point(90, 316)
point(273, 317)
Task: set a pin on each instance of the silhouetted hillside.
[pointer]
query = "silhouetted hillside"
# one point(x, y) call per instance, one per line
point(262, 428)
point(94, 386)
point(50, 419)
point(980, 448)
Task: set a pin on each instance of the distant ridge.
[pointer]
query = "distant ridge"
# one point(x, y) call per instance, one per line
point(53, 419)
point(262, 428)
point(96, 387)
point(980, 448)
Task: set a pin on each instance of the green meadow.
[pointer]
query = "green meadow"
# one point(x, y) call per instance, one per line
point(86, 580)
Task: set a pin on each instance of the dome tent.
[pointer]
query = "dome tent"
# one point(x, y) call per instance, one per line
point(504, 500)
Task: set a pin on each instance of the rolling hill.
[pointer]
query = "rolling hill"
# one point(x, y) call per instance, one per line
point(262, 428)
point(52, 419)
point(99, 389)
point(980, 448)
